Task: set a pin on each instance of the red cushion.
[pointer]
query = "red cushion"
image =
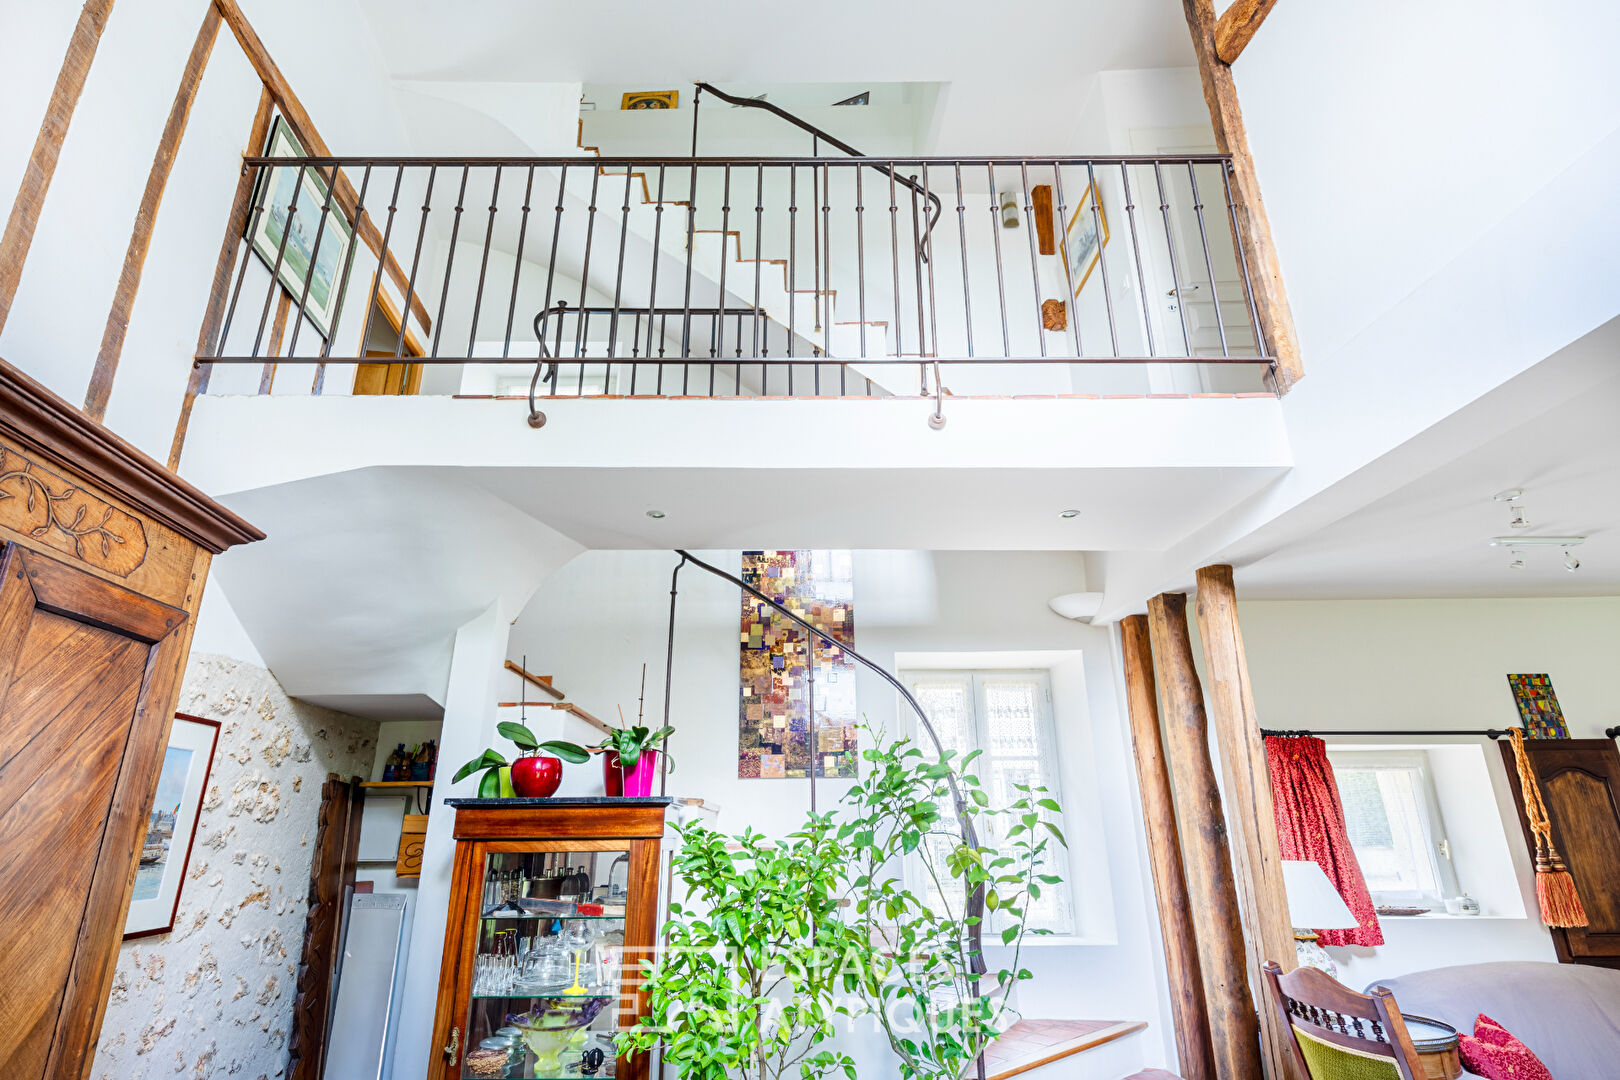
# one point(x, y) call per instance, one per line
point(1492, 1052)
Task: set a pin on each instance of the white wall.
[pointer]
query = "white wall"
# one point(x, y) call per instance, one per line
point(55, 325)
point(594, 623)
point(1438, 664)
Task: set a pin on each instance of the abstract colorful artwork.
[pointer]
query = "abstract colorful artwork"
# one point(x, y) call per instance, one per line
point(1538, 707)
point(778, 693)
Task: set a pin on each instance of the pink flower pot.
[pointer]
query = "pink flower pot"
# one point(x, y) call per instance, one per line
point(637, 782)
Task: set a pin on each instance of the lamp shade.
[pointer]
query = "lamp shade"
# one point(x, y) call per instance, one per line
point(1313, 902)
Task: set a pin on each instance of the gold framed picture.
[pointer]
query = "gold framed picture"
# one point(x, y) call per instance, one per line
point(650, 99)
point(1081, 244)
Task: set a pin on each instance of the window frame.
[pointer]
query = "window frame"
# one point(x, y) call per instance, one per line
point(975, 680)
point(1430, 819)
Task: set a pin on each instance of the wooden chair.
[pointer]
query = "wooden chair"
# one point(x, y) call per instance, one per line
point(1338, 1033)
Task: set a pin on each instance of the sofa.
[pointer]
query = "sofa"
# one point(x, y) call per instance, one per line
point(1568, 1014)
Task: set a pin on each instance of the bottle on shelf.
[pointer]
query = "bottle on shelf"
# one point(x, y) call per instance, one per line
point(391, 766)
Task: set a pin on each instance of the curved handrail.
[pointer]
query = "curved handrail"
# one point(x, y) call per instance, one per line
point(935, 206)
point(975, 898)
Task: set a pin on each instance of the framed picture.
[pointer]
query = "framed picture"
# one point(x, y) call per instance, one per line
point(650, 99)
point(1083, 249)
point(269, 225)
point(171, 826)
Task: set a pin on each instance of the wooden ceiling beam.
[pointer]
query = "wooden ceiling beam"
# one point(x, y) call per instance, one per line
point(1237, 26)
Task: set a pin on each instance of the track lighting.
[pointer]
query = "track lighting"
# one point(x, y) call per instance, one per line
point(1518, 561)
point(1571, 563)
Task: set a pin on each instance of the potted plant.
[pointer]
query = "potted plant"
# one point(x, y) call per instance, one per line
point(530, 775)
point(747, 985)
point(924, 983)
point(630, 757)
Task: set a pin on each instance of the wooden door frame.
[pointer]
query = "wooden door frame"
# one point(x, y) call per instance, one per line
point(411, 378)
point(331, 884)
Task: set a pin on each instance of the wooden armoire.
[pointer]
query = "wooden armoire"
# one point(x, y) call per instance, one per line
point(103, 553)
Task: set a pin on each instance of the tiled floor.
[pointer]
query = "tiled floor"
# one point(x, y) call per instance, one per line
point(1030, 1043)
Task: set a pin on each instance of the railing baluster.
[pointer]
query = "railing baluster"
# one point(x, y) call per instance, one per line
point(933, 312)
point(725, 258)
point(1097, 223)
point(483, 263)
point(517, 266)
point(585, 270)
point(793, 265)
point(961, 243)
point(314, 256)
point(894, 260)
point(917, 263)
point(1136, 257)
point(551, 276)
point(1071, 303)
point(618, 282)
point(759, 239)
point(450, 258)
point(657, 257)
point(416, 259)
point(263, 184)
point(1001, 281)
point(860, 259)
point(1170, 248)
point(281, 251)
point(691, 237)
point(1034, 257)
point(1209, 260)
point(826, 267)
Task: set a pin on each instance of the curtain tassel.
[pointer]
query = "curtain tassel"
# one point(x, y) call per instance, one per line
point(1555, 887)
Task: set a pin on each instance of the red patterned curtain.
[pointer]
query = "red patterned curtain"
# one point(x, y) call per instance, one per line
point(1310, 825)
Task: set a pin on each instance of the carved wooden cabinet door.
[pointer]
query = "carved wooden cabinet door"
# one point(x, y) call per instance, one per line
point(1580, 783)
point(80, 745)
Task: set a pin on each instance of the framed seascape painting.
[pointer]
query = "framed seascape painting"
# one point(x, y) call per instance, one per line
point(1083, 249)
point(269, 225)
point(171, 826)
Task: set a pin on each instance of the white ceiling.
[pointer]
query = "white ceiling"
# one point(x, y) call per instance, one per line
point(1428, 539)
point(753, 42)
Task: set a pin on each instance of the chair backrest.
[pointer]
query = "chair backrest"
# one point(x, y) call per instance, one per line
point(1338, 1033)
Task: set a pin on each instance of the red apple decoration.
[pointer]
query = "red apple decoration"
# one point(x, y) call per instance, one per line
point(536, 776)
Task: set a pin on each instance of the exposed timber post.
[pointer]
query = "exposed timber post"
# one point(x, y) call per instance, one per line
point(1193, 1051)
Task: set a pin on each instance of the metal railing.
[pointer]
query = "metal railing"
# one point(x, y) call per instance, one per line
point(691, 276)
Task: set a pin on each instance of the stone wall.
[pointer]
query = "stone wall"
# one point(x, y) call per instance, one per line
point(214, 998)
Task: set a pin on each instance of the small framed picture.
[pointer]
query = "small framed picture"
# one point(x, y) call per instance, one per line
point(650, 99)
point(1083, 249)
point(171, 826)
point(300, 263)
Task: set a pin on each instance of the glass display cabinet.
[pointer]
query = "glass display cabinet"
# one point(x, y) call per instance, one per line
point(553, 905)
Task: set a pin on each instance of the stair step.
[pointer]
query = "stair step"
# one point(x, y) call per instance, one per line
point(1030, 1044)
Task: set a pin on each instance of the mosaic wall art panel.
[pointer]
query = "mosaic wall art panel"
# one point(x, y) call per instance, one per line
point(776, 661)
point(1538, 707)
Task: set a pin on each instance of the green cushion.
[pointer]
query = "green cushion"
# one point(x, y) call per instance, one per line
point(1326, 1061)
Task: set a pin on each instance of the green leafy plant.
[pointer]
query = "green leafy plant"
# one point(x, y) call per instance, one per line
point(491, 762)
point(922, 982)
point(746, 985)
point(628, 742)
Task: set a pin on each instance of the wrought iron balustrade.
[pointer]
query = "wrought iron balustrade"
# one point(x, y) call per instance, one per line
point(635, 276)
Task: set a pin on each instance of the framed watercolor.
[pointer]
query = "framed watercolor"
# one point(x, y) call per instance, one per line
point(650, 99)
point(269, 224)
point(171, 826)
point(1081, 246)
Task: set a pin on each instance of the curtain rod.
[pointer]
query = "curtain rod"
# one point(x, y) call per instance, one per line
point(1490, 733)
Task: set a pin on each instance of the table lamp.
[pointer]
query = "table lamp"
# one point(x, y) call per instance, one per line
point(1313, 904)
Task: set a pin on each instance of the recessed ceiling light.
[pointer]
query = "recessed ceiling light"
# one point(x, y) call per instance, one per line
point(1069, 514)
point(655, 514)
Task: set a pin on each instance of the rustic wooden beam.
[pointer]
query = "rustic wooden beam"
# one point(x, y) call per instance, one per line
point(36, 180)
point(292, 110)
point(278, 328)
point(214, 313)
point(1256, 854)
point(1237, 26)
point(1234, 1024)
point(140, 237)
point(1253, 228)
point(1191, 1017)
point(1045, 234)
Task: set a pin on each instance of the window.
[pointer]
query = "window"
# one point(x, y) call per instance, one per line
point(1393, 820)
point(1008, 715)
